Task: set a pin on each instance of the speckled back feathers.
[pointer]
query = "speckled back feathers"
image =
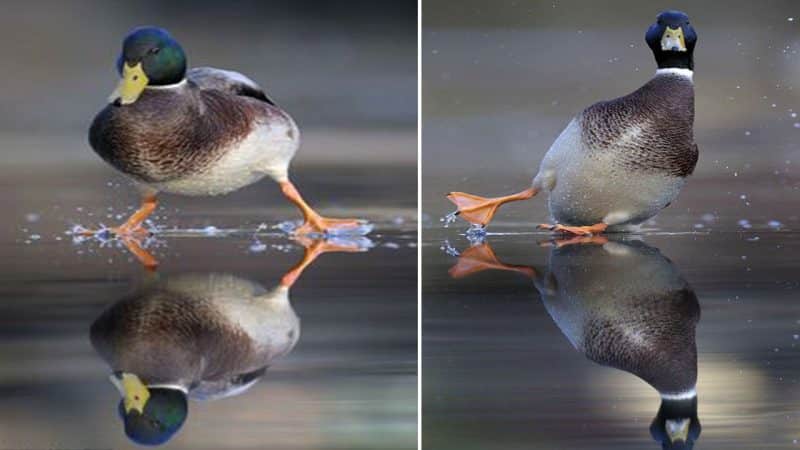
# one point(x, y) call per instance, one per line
point(649, 130)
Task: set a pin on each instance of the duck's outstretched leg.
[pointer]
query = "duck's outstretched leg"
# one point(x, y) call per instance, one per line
point(133, 226)
point(481, 257)
point(315, 223)
point(580, 231)
point(479, 210)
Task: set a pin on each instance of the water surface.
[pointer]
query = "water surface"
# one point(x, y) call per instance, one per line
point(348, 382)
point(500, 368)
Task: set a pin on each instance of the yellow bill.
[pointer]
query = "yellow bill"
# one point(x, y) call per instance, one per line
point(135, 393)
point(672, 39)
point(131, 85)
point(678, 430)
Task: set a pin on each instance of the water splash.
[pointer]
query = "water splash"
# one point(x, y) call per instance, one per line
point(287, 226)
point(449, 249)
point(362, 243)
point(257, 246)
point(362, 229)
point(448, 219)
point(475, 234)
point(210, 230)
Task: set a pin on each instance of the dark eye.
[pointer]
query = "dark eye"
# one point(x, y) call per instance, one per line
point(154, 50)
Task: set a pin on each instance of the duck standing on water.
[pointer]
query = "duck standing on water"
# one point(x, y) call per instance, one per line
point(619, 162)
point(204, 131)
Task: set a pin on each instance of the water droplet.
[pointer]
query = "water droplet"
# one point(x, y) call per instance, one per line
point(448, 219)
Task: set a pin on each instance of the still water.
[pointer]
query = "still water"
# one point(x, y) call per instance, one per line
point(531, 342)
point(328, 358)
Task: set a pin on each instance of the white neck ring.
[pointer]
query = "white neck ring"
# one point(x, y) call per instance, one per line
point(688, 73)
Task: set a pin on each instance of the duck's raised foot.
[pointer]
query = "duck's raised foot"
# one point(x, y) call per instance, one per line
point(480, 210)
point(579, 231)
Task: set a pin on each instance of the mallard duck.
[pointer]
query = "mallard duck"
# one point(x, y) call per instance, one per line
point(623, 305)
point(619, 162)
point(199, 336)
point(202, 131)
point(204, 337)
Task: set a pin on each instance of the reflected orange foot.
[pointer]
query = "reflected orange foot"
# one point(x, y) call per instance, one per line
point(575, 240)
point(579, 231)
point(321, 226)
point(313, 249)
point(145, 258)
point(482, 257)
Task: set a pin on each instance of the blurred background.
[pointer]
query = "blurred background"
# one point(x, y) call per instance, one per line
point(332, 66)
point(347, 73)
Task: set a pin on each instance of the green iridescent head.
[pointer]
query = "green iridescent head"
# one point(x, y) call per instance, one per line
point(150, 57)
point(152, 415)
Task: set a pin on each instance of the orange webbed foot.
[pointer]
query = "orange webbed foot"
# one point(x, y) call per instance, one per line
point(132, 228)
point(317, 226)
point(480, 210)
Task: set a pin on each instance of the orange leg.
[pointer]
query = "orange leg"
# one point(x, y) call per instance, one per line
point(580, 231)
point(313, 249)
point(481, 257)
point(479, 210)
point(148, 260)
point(133, 226)
point(315, 223)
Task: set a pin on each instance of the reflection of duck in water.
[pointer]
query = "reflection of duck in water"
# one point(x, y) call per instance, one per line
point(624, 305)
point(199, 336)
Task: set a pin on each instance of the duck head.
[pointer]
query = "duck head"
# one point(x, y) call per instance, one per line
point(152, 415)
point(150, 57)
point(672, 39)
point(676, 425)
